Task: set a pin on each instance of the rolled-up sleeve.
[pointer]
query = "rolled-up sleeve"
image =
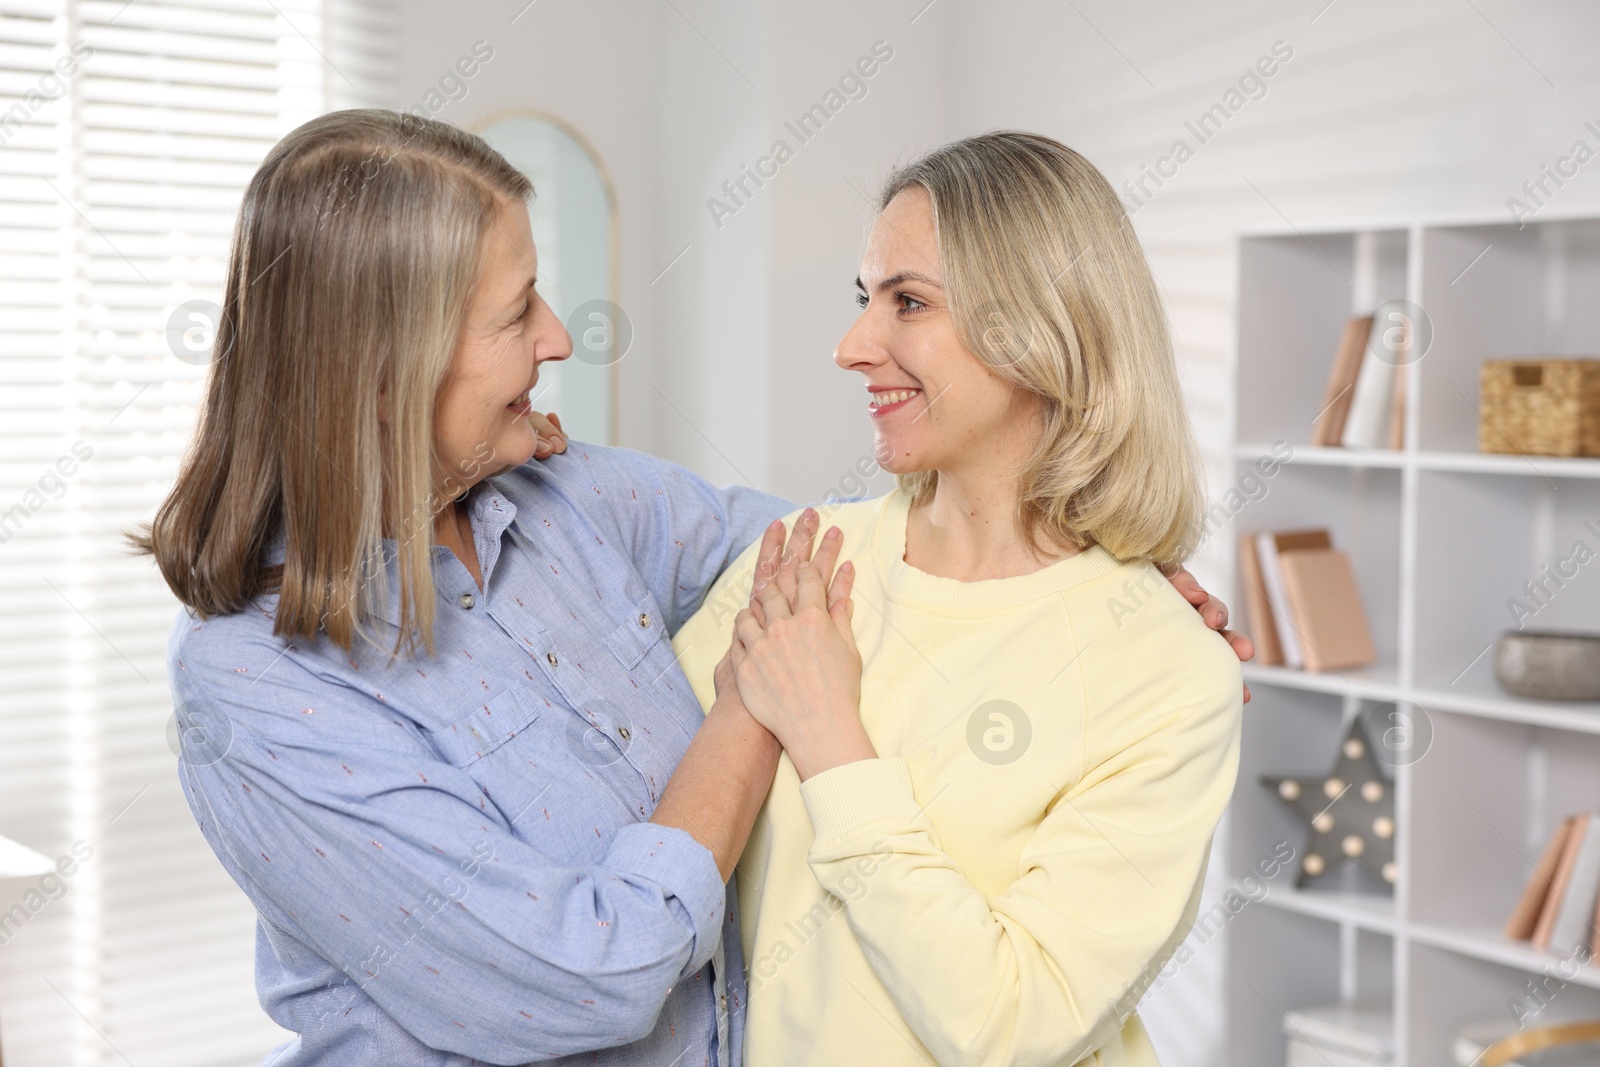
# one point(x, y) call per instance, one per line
point(346, 828)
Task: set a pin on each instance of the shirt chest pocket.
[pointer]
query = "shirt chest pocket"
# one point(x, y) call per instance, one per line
point(640, 631)
point(486, 727)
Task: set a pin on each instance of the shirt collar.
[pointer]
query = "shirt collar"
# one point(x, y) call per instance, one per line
point(490, 512)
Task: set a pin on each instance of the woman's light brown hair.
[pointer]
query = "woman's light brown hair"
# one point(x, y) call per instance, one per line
point(354, 257)
point(1049, 288)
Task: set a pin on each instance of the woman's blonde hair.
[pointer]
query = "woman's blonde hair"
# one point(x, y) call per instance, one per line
point(1048, 287)
point(354, 258)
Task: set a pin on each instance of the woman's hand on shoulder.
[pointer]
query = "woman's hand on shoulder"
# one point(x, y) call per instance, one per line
point(552, 438)
point(793, 655)
point(1215, 615)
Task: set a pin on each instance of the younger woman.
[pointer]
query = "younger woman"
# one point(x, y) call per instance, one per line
point(1003, 765)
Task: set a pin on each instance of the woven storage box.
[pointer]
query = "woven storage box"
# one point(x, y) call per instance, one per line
point(1541, 407)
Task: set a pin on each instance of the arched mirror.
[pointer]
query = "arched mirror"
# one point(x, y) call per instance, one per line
point(574, 219)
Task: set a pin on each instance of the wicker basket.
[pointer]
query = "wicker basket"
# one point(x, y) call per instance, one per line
point(1541, 407)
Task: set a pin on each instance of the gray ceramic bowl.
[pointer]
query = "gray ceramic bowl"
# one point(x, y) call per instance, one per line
point(1546, 665)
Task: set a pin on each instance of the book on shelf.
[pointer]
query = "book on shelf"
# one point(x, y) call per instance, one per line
point(1302, 598)
point(1397, 409)
point(1326, 606)
point(1328, 429)
point(1573, 919)
point(1258, 607)
point(1594, 946)
point(1525, 916)
point(1559, 908)
point(1367, 424)
point(1558, 884)
point(1363, 405)
point(1269, 544)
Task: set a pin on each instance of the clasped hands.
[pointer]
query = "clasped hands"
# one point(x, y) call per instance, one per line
point(793, 662)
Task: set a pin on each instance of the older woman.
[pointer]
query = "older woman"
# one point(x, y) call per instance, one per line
point(1005, 754)
point(433, 724)
point(436, 731)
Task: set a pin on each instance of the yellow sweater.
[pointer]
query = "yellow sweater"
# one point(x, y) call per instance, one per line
point(1004, 881)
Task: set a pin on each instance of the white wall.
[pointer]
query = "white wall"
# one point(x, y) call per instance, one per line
point(1434, 107)
point(595, 65)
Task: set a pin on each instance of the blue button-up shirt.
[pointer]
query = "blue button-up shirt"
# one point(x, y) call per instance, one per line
point(451, 856)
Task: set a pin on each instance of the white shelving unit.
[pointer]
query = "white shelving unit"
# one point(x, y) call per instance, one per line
point(1442, 539)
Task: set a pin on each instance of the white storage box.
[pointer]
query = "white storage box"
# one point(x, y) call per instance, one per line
point(1341, 1035)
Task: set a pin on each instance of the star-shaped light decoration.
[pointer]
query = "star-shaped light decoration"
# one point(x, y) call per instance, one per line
point(1350, 812)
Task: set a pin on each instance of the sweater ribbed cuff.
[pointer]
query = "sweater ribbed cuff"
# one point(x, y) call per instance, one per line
point(844, 798)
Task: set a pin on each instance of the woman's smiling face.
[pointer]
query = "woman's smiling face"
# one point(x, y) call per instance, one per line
point(481, 413)
point(934, 405)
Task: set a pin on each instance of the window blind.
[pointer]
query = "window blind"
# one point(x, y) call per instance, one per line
point(120, 178)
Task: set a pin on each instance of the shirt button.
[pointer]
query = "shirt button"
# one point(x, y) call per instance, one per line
point(466, 601)
point(551, 656)
point(644, 620)
point(624, 732)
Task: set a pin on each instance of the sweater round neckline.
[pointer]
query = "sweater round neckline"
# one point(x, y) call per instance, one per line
point(907, 584)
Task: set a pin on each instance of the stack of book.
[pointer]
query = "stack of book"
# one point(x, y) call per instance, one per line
point(1301, 596)
point(1364, 404)
point(1559, 910)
